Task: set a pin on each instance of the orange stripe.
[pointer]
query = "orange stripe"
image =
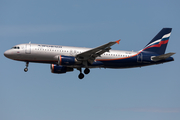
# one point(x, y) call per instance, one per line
point(60, 59)
point(52, 68)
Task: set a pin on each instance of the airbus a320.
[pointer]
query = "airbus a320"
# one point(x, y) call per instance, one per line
point(65, 58)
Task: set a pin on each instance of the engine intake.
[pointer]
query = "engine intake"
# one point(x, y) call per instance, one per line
point(60, 69)
point(66, 60)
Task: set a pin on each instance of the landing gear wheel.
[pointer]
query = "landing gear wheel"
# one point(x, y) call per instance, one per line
point(81, 76)
point(86, 71)
point(25, 69)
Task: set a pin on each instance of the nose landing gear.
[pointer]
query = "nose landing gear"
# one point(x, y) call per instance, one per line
point(26, 69)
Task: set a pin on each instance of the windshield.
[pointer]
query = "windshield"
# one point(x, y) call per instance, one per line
point(15, 47)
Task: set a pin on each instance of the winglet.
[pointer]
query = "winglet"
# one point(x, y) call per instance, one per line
point(118, 41)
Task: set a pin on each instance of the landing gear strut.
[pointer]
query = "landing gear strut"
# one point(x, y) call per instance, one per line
point(81, 75)
point(26, 69)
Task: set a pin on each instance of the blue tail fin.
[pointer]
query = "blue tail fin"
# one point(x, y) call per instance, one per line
point(159, 43)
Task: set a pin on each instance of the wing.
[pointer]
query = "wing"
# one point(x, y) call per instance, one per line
point(91, 54)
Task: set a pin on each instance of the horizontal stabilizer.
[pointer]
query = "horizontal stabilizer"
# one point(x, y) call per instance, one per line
point(162, 57)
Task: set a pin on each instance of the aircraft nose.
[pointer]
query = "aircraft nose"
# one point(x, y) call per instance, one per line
point(7, 53)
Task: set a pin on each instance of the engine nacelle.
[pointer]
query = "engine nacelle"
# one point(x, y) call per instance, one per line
point(66, 60)
point(60, 69)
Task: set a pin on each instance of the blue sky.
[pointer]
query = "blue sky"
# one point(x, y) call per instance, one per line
point(130, 94)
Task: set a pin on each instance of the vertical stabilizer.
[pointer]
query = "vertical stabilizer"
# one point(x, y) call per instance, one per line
point(159, 43)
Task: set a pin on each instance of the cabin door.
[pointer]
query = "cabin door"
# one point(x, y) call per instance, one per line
point(139, 58)
point(28, 49)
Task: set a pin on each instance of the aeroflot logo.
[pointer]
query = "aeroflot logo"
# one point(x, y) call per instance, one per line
point(50, 46)
point(163, 40)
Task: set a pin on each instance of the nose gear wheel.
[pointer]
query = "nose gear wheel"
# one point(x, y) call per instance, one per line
point(26, 69)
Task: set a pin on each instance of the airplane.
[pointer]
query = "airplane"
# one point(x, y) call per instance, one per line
point(65, 58)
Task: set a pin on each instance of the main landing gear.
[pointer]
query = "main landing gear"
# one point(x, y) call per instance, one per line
point(81, 75)
point(26, 69)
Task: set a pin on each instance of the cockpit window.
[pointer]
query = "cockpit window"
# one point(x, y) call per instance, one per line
point(15, 47)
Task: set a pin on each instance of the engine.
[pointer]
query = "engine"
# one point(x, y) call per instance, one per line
point(66, 60)
point(60, 69)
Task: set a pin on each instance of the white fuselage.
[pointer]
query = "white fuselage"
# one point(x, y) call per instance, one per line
point(49, 53)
